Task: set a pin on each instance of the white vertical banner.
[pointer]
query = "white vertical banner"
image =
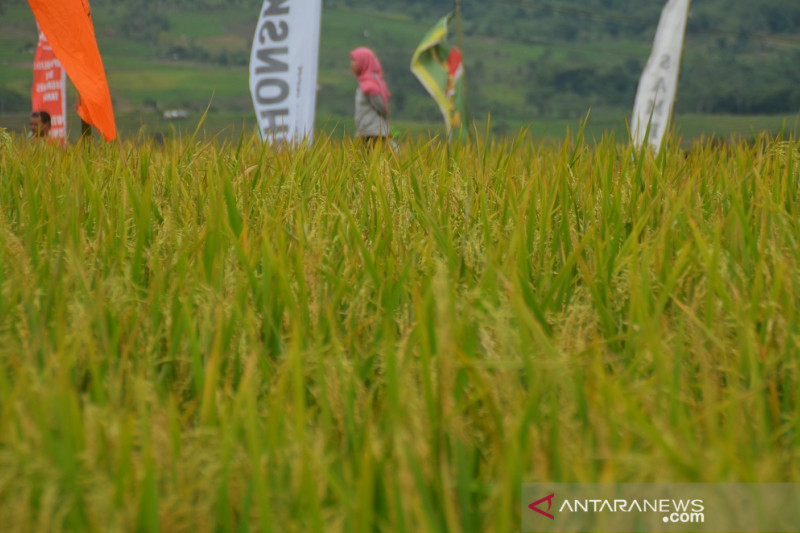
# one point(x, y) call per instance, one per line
point(283, 69)
point(658, 85)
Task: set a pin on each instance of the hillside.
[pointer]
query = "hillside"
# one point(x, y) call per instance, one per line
point(543, 64)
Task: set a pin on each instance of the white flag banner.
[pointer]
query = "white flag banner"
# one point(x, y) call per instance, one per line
point(283, 69)
point(658, 85)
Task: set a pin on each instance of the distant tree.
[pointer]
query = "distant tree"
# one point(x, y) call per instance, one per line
point(12, 101)
point(142, 23)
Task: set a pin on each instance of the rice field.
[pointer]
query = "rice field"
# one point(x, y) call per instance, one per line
point(224, 336)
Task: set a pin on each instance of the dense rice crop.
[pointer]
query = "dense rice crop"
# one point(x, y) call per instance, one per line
point(202, 337)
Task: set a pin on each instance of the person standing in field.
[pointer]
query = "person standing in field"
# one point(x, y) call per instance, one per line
point(39, 125)
point(372, 97)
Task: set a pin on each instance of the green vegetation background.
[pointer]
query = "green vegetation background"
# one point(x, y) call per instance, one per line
point(530, 64)
point(197, 337)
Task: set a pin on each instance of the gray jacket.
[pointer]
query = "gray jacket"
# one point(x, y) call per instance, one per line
point(371, 116)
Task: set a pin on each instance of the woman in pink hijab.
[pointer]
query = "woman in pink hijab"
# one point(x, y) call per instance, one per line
point(372, 96)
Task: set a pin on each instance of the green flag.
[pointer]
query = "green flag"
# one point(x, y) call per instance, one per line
point(438, 66)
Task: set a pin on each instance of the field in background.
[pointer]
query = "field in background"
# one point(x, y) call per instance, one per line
point(201, 61)
point(198, 336)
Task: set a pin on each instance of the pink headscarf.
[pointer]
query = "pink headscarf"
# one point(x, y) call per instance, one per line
point(370, 74)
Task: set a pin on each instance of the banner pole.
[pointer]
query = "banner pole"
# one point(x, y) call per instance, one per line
point(86, 128)
point(467, 121)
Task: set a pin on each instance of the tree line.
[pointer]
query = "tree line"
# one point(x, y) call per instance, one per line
point(741, 57)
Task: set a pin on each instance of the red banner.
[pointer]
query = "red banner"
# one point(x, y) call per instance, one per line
point(50, 89)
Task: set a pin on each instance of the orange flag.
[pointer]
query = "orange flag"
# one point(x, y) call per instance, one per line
point(69, 29)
